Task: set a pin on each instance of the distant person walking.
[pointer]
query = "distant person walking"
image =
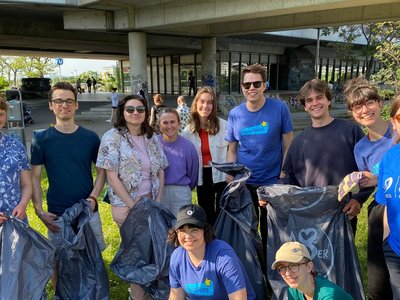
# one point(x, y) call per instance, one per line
point(94, 82)
point(78, 85)
point(89, 85)
point(183, 112)
point(142, 91)
point(114, 105)
point(191, 83)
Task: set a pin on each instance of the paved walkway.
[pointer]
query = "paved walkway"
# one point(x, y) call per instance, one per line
point(43, 117)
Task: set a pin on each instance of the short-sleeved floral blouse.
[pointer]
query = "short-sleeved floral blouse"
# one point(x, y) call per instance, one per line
point(119, 154)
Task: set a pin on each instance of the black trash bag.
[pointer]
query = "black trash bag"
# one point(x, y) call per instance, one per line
point(237, 225)
point(312, 216)
point(143, 256)
point(82, 274)
point(26, 261)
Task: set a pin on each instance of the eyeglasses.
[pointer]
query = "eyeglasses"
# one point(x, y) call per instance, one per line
point(292, 267)
point(131, 109)
point(190, 232)
point(357, 108)
point(256, 84)
point(60, 102)
point(397, 118)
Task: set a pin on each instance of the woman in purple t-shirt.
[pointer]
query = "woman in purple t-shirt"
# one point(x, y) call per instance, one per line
point(181, 175)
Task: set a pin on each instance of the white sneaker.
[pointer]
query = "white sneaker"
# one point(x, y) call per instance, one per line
point(108, 121)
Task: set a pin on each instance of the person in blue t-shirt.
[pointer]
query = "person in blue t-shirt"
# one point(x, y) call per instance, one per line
point(203, 267)
point(67, 151)
point(365, 105)
point(293, 262)
point(259, 132)
point(388, 194)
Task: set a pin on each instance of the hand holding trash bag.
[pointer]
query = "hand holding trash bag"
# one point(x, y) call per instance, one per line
point(48, 220)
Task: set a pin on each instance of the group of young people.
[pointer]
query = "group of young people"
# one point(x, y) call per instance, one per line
point(166, 167)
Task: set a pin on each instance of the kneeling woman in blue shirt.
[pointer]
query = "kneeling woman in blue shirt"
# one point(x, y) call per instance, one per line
point(203, 267)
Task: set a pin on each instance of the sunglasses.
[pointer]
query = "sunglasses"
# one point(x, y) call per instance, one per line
point(247, 85)
point(131, 109)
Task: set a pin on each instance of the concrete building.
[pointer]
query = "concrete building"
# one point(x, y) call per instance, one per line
point(159, 41)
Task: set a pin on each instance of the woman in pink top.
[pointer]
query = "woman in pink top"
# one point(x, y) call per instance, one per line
point(134, 161)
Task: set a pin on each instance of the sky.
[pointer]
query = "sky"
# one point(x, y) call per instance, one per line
point(74, 67)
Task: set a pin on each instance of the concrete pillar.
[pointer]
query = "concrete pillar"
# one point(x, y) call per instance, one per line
point(138, 62)
point(209, 62)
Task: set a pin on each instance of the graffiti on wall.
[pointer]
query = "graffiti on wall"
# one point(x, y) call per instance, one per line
point(138, 83)
point(209, 79)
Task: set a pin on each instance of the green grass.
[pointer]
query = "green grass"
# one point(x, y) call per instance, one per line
point(119, 289)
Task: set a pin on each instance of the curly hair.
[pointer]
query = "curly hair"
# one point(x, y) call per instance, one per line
point(213, 120)
point(120, 123)
point(358, 91)
point(209, 235)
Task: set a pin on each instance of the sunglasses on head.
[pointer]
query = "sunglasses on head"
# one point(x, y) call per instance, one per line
point(256, 84)
point(131, 109)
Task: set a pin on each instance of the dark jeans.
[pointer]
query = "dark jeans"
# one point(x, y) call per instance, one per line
point(261, 215)
point(378, 274)
point(191, 88)
point(393, 265)
point(209, 194)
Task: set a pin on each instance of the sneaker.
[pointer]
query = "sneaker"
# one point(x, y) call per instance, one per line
point(108, 121)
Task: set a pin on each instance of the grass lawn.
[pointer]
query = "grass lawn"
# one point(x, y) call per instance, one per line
point(119, 289)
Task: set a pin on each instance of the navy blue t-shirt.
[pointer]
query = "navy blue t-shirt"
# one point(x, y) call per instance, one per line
point(68, 161)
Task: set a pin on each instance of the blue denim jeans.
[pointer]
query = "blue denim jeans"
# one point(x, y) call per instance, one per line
point(393, 264)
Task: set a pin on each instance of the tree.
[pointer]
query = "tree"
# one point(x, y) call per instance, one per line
point(27, 66)
point(375, 34)
point(389, 55)
point(39, 66)
point(15, 66)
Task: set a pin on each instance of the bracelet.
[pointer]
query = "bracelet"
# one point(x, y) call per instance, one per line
point(92, 197)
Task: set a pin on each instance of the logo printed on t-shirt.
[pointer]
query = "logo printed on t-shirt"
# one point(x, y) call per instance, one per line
point(375, 169)
point(205, 288)
point(254, 130)
point(388, 183)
